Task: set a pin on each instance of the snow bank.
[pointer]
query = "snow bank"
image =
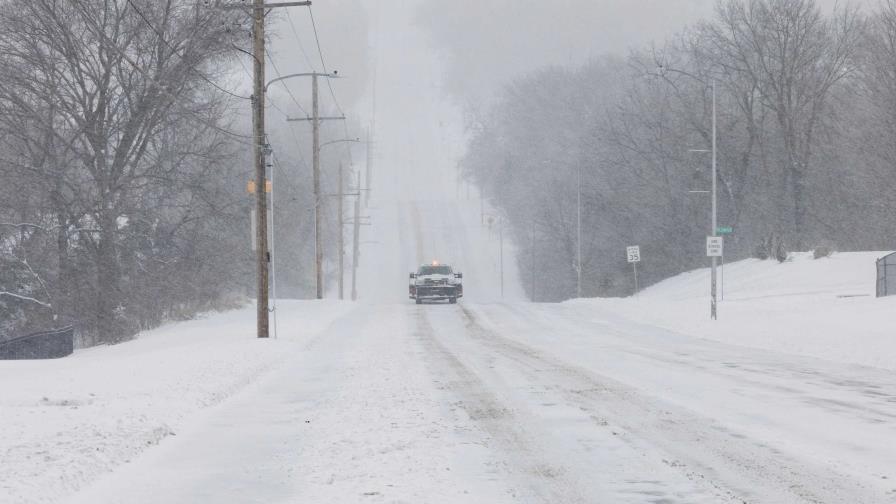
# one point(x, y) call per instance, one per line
point(822, 308)
point(65, 422)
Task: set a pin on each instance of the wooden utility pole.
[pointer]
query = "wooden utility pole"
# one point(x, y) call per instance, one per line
point(356, 232)
point(315, 150)
point(263, 256)
point(340, 238)
point(501, 252)
point(318, 244)
point(369, 169)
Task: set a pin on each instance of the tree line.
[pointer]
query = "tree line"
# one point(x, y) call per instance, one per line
point(123, 167)
point(806, 119)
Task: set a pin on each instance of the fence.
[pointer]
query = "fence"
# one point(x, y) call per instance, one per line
point(886, 275)
point(43, 345)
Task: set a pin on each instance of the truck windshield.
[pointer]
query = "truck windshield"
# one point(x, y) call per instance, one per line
point(434, 270)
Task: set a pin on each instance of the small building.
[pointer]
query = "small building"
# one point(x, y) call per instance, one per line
point(886, 275)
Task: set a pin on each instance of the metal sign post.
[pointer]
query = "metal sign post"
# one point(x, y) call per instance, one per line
point(634, 257)
point(714, 249)
point(722, 230)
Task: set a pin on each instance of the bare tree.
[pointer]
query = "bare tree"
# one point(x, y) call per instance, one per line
point(92, 88)
point(792, 57)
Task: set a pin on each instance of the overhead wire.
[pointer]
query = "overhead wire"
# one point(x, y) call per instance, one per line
point(297, 143)
point(283, 82)
point(323, 63)
point(299, 41)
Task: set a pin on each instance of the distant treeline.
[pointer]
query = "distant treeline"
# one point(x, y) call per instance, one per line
point(806, 147)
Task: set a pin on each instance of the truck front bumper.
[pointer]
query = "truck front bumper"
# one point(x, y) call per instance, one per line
point(435, 293)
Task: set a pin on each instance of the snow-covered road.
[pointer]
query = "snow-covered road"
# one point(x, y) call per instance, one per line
point(399, 403)
point(492, 401)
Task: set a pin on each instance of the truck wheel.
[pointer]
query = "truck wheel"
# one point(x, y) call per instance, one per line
point(452, 300)
point(419, 301)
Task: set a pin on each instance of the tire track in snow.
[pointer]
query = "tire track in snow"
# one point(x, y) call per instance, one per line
point(544, 481)
point(739, 468)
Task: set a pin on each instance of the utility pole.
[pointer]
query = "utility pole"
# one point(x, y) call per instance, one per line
point(579, 233)
point(318, 249)
point(356, 237)
point(533, 262)
point(713, 312)
point(261, 198)
point(315, 121)
point(340, 239)
point(263, 256)
point(501, 252)
point(369, 170)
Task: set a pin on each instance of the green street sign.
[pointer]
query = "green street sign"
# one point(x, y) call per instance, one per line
point(724, 230)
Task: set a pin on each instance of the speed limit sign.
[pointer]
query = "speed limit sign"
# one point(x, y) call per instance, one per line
point(634, 254)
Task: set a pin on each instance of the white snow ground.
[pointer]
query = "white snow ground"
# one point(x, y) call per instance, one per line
point(65, 422)
point(822, 308)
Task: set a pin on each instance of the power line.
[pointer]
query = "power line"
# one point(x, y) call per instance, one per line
point(299, 40)
point(320, 53)
point(283, 82)
point(322, 62)
point(292, 132)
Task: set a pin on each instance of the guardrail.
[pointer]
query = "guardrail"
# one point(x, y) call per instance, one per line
point(42, 345)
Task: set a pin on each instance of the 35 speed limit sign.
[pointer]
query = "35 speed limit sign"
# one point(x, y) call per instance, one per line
point(634, 254)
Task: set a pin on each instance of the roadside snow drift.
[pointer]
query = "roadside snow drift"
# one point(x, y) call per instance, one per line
point(822, 308)
point(65, 422)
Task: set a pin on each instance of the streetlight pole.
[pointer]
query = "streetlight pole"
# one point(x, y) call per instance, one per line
point(713, 312)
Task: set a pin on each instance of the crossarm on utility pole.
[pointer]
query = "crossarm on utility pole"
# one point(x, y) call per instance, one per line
point(265, 6)
point(329, 118)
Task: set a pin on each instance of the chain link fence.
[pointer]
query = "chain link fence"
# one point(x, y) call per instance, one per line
point(43, 345)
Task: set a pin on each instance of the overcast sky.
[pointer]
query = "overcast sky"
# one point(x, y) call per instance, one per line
point(484, 43)
point(424, 60)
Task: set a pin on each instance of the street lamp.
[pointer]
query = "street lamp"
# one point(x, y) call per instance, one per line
point(354, 140)
point(713, 312)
